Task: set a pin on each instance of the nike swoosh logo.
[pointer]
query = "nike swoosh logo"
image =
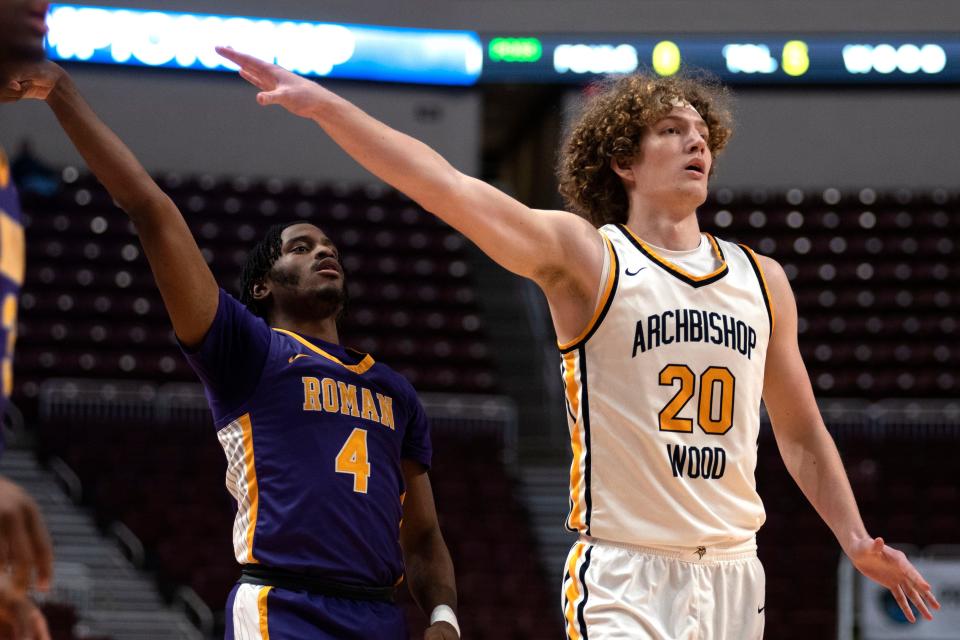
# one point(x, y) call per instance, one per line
point(627, 271)
point(299, 355)
point(760, 609)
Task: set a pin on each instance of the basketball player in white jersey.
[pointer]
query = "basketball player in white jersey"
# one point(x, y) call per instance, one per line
point(670, 338)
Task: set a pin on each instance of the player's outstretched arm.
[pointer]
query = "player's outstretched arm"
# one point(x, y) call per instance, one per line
point(428, 567)
point(541, 245)
point(811, 457)
point(189, 290)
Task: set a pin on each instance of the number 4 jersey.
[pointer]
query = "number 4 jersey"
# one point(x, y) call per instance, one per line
point(663, 393)
point(314, 435)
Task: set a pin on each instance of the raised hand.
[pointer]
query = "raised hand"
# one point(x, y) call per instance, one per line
point(891, 568)
point(294, 93)
point(32, 81)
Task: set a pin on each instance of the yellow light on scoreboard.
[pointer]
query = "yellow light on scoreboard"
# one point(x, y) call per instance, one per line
point(796, 58)
point(666, 58)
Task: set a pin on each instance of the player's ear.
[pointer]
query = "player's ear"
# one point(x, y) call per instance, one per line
point(621, 167)
point(260, 290)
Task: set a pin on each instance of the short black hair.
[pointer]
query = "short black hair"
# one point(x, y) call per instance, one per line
point(259, 262)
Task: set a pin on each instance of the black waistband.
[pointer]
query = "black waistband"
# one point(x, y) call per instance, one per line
point(293, 581)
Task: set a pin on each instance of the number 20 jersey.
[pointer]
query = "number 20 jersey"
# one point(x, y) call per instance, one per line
point(663, 392)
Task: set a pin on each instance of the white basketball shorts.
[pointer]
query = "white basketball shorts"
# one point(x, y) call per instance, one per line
point(623, 592)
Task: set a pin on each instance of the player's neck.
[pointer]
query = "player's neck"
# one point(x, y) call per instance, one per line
point(325, 329)
point(669, 229)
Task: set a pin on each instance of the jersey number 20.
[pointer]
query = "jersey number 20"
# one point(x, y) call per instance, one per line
point(713, 381)
point(352, 459)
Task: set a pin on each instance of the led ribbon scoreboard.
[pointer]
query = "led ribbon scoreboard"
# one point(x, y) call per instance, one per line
point(175, 40)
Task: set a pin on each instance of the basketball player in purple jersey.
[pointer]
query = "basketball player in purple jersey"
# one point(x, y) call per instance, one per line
point(327, 450)
point(660, 555)
point(25, 549)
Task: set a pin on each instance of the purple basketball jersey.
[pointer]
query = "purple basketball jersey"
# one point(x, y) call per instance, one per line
point(314, 435)
point(11, 277)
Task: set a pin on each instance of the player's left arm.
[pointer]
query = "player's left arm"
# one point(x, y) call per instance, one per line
point(811, 456)
point(429, 569)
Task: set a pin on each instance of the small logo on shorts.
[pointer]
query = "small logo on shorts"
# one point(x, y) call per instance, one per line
point(701, 551)
point(760, 609)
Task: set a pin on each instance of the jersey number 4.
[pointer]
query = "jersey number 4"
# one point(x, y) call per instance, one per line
point(714, 406)
point(352, 459)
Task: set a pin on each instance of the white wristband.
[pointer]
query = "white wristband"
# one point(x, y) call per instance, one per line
point(443, 613)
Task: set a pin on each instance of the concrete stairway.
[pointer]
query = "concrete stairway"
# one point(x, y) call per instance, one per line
point(112, 597)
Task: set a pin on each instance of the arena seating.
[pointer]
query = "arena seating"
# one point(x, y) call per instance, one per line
point(871, 272)
point(874, 275)
point(92, 309)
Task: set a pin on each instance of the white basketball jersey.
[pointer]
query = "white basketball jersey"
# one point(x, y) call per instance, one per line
point(663, 393)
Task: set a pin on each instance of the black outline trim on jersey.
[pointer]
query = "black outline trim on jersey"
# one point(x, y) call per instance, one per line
point(761, 281)
point(670, 268)
point(585, 412)
point(615, 267)
point(586, 591)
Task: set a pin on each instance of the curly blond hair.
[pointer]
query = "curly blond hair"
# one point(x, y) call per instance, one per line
point(611, 126)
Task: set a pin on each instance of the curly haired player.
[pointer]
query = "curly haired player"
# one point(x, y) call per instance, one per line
point(669, 338)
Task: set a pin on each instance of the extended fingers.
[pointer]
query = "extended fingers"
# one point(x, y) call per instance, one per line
point(244, 60)
point(920, 591)
point(901, 599)
point(254, 79)
point(918, 602)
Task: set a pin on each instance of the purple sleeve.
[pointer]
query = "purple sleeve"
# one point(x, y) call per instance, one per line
point(230, 359)
point(416, 439)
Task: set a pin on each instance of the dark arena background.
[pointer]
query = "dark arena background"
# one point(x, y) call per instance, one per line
point(843, 167)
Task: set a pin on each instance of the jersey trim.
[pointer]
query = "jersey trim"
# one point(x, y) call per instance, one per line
point(673, 269)
point(585, 412)
point(241, 479)
point(12, 248)
point(360, 368)
point(576, 521)
point(4, 170)
point(253, 492)
point(262, 610)
point(603, 305)
point(764, 290)
point(577, 400)
point(576, 590)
